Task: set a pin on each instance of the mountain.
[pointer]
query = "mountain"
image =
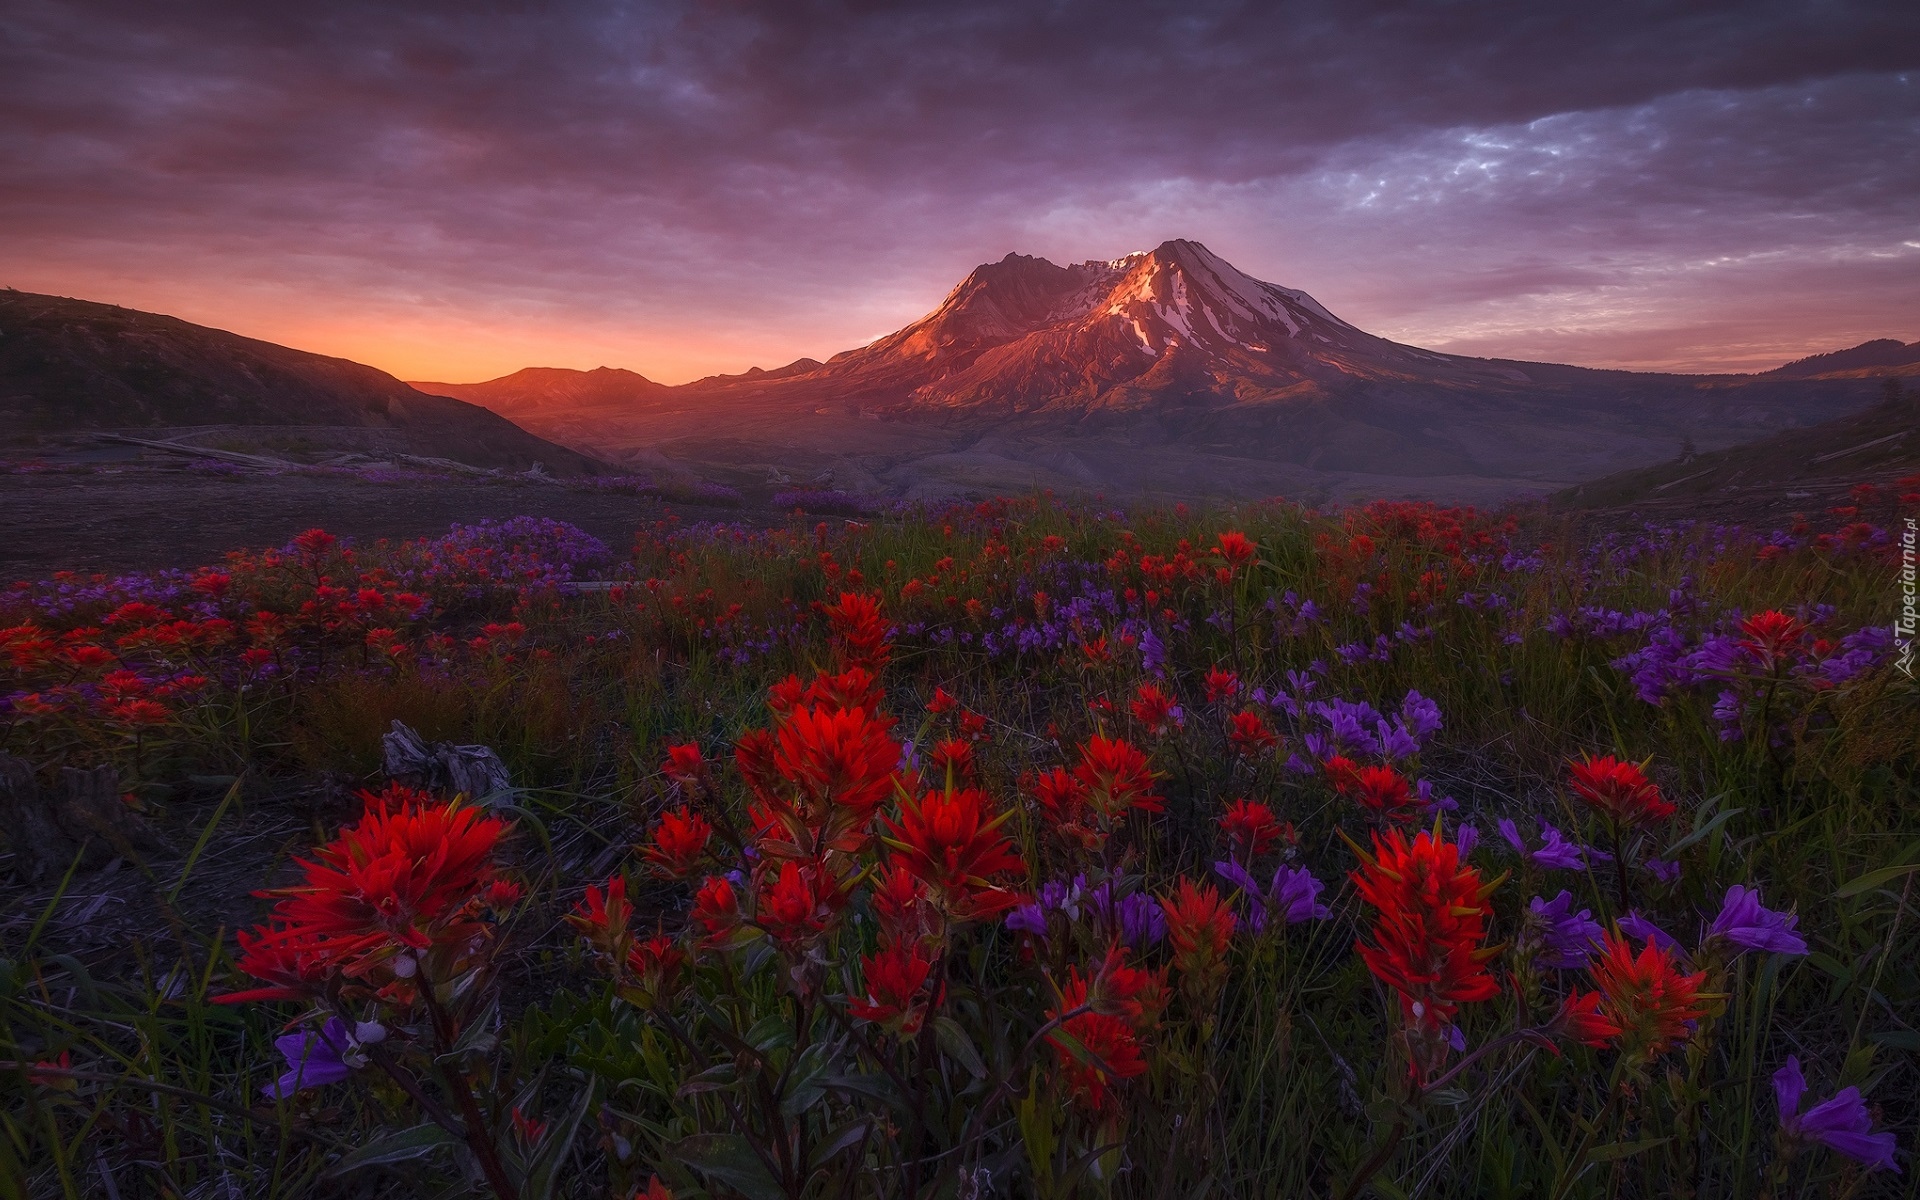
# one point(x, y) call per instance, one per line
point(1801, 470)
point(1170, 371)
point(69, 365)
point(1880, 357)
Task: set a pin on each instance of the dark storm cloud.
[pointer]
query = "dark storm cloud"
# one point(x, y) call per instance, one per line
point(804, 176)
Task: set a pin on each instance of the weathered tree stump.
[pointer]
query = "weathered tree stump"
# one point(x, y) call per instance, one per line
point(471, 771)
point(82, 816)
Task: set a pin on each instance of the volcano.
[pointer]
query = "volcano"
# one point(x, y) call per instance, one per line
point(1166, 370)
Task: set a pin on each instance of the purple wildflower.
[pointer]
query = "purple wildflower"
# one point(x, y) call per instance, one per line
point(1293, 896)
point(313, 1060)
point(1661, 869)
point(1466, 837)
point(1561, 938)
point(1638, 926)
point(1841, 1123)
point(1745, 922)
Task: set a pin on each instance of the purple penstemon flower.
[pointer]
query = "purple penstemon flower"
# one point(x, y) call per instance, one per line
point(317, 1059)
point(1638, 926)
point(1561, 938)
point(1293, 896)
point(1747, 923)
point(1555, 852)
point(1661, 869)
point(1841, 1123)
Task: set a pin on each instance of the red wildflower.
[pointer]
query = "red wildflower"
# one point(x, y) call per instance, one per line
point(1155, 709)
point(1620, 790)
point(685, 765)
point(139, 714)
point(602, 918)
point(902, 907)
point(952, 759)
point(655, 1190)
point(799, 903)
point(973, 726)
point(1580, 1018)
point(895, 978)
point(1771, 638)
point(1199, 930)
point(861, 630)
point(1096, 1047)
point(1433, 918)
point(1236, 548)
point(408, 879)
point(948, 840)
point(1250, 734)
point(844, 758)
point(1340, 773)
point(1063, 803)
point(314, 543)
point(716, 909)
point(1380, 789)
point(855, 687)
point(1251, 829)
point(1116, 778)
point(1646, 996)
point(941, 701)
point(654, 966)
point(679, 842)
point(1222, 685)
point(1138, 996)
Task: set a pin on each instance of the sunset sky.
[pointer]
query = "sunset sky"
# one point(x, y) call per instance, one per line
point(454, 191)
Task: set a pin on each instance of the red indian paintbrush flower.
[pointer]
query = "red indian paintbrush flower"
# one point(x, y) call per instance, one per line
point(716, 910)
point(684, 765)
point(1249, 734)
point(1236, 548)
point(679, 843)
point(895, 977)
point(602, 918)
point(411, 878)
point(1116, 778)
point(799, 903)
point(1103, 1048)
point(1199, 930)
point(1119, 989)
point(861, 630)
point(952, 758)
point(1155, 709)
point(1222, 685)
point(1620, 790)
point(901, 905)
point(1251, 829)
point(1063, 805)
point(1580, 1018)
point(844, 758)
point(1771, 637)
point(1379, 789)
point(654, 967)
point(1432, 919)
point(1646, 996)
point(951, 843)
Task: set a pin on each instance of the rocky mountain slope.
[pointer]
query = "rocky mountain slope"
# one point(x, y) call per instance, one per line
point(69, 365)
point(1167, 371)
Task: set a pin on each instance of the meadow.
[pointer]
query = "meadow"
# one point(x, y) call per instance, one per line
point(1018, 848)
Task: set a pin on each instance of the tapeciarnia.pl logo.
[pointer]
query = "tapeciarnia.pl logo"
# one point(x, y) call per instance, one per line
point(1903, 626)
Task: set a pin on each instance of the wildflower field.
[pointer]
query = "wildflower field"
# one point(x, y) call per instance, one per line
point(1009, 849)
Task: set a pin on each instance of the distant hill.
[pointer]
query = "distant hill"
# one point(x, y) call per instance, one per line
point(1801, 470)
point(1880, 357)
point(1168, 371)
point(71, 365)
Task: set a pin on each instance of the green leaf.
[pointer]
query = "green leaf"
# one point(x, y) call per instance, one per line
point(850, 1135)
point(1832, 966)
point(1625, 1149)
point(555, 1149)
point(771, 1032)
point(1873, 879)
point(729, 1158)
point(715, 1078)
point(958, 1046)
point(417, 1142)
point(1703, 831)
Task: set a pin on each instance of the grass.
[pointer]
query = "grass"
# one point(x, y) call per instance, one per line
point(1284, 1088)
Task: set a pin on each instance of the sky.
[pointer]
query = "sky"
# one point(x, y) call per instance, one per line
point(453, 191)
